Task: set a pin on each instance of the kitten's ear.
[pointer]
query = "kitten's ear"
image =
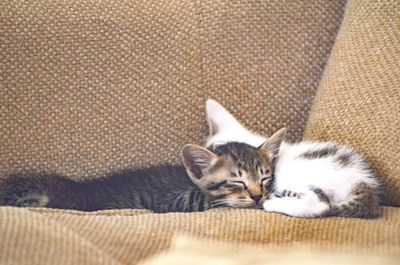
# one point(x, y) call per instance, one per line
point(197, 160)
point(271, 146)
point(218, 118)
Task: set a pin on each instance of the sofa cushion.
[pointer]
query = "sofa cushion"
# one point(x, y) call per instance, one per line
point(198, 251)
point(358, 101)
point(31, 236)
point(92, 86)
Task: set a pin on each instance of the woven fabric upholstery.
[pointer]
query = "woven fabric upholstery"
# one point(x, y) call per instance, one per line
point(358, 102)
point(93, 86)
point(198, 251)
point(45, 236)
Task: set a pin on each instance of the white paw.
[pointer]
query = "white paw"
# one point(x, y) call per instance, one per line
point(321, 208)
point(269, 205)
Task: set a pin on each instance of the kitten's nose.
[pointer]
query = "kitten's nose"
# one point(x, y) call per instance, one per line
point(256, 198)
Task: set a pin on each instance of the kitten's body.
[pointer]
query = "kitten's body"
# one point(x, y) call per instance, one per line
point(162, 189)
point(204, 181)
point(311, 179)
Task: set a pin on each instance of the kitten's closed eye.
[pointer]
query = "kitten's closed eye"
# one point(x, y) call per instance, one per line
point(241, 183)
point(264, 181)
point(216, 186)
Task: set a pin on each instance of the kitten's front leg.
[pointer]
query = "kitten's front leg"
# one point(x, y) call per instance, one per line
point(309, 205)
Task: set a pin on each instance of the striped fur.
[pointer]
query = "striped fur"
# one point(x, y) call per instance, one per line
point(162, 189)
point(230, 177)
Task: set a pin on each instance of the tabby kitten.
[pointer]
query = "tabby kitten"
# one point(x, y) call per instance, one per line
point(311, 179)
point(206, 180)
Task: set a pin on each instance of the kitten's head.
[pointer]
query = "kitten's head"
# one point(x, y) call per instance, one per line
point(233, 174)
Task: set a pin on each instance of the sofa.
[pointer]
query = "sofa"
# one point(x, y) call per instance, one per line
point(90, 87)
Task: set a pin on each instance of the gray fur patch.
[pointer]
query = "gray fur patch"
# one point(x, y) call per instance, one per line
point(320, 153)
point(364, 203)
point(344, 159)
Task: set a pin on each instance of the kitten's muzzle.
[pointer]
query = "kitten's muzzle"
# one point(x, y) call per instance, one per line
point(256, 198)
point(255, 193)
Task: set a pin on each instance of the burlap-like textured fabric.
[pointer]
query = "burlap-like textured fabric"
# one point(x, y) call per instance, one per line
point(198, 251)
point(44, 236)
point(93, 86)
point(87, 87)
point(358, 101)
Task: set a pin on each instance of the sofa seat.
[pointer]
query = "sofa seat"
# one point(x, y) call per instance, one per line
point(129, 236)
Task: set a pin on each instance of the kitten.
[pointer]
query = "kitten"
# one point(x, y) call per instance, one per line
point(206, 180)
point(311, 179)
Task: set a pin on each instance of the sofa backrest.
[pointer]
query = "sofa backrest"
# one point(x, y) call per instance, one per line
point(89, 87)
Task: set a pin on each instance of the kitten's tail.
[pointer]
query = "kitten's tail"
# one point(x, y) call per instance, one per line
point(363, 203)
point(25, 191)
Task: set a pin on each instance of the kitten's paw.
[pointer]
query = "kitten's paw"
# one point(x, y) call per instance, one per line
point(269, 205)
point(322, 209)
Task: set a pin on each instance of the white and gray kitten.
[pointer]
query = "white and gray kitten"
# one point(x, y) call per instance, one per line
point(311, 179)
